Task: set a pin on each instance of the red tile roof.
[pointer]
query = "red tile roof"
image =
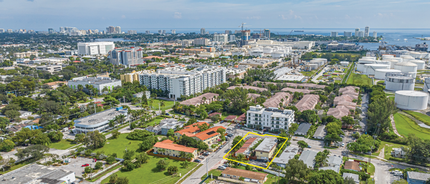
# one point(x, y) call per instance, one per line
point(230, 118)
point(214, 113)
point(241, 117)
point(245, 146)
point(276, 99)
point(168, 144)
point(190, 130)
point(308, 102)
point(211, 132)
point(351, 165)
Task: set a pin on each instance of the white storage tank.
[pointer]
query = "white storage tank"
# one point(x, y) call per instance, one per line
point(399, 81)
point(426, 86)
point(369, 69)
point(313, 66)
point(420, 64)
point(407, 58)
point(407, 67)
point(380, 73)
point(369, 57)
point(362, 62)
point(411, 100)
point(277, 54)
point(393, 62)
point(387, 57)
point(267, 50)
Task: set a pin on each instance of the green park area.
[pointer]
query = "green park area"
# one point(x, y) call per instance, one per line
point(61, 145)
point(149, 174)
point(119, 145)
point(310, 73)
point(419, 116)
point(357, 79)
point(155, 104)
point(406, 126)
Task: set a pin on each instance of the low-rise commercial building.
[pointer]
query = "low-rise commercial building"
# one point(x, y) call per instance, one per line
point(167, 147)
point(266, 149)
point(269, 118)
point(233, 175)
point(36, 173)
point(98, 121)
point(50, 68)
point(25, 54)
point(102, 84)
point(255, 63)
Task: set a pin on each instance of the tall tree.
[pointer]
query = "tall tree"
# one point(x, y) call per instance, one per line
point(297, 170)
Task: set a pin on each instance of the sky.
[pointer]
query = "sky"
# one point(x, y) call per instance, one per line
point(40, 15)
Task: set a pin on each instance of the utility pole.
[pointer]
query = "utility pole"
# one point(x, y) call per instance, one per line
point(207, 172)
point(95, 110)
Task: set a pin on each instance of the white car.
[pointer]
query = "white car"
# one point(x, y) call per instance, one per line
point(221, 168)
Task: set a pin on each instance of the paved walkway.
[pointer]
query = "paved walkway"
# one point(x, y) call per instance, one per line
point(394, 126)
point(382, 153)
point(103, 177)
point(420, 123)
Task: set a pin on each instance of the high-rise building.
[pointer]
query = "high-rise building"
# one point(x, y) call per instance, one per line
point(223, 38)
point(95, 48)
point(366, 31)
point(334, 34)
point(202, 31)
point(62, 30)
point(96, 31)
point(2, 30)
point(160, 31)
point(9, 31)
point(128, 57)
point(361, 34)
point(232, 38)
point(347, 34)
point(227, 31)
point(375, 35)
point(201, 41)
point(118, 30)
point(110, 30)
point(179, 81)
point(173, 31)
point(131, 32)
point(50, 30)
point(356, 32)
point(267, 33)
point(147, 32)
point(164, 32)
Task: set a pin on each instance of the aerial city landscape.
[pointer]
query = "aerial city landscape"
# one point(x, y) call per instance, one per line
point(248, 101)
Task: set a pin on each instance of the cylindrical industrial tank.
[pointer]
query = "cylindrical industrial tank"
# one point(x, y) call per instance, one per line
point(407, 67)
point(380, 73)
point(267, 50)
point(395, 81)
point(406, 58)
point(362, 62)
point(399, 59)
point(387, 57)
point(369, 57)
point(369, 69)
point(426, 86)
point(313, 66)
point(393, 62)
point(411, 100)
point(420, 64)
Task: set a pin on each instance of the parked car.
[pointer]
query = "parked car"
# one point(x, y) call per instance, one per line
point(85, 165)
point(206, 153)
point(221, 168)
point(197, 160)
point(309, 146)
point(201, 157)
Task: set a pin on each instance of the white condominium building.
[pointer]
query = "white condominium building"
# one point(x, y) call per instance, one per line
point(221, 38)
point(100, 83)
point(95, 48)
point(179, 81)
point(126, 56)
point(269, 118)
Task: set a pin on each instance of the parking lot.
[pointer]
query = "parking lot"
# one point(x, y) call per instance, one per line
point(75, 165)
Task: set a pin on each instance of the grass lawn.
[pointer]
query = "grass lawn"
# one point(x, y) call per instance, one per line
point(389, 147)
point(155, 121)
point(148, 173)
point(61, 145)
point(419, 116)
point(406, 126)
point(371, 169)
point(17, 166)
point(167, 104)
point(308, 74)
point(118, 145)
point(358, 79)
point(214, 172)
point(271, 179)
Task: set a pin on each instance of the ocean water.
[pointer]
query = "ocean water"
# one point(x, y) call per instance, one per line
point(393, 36)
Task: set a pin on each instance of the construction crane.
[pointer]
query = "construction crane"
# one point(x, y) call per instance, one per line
point(289, 34)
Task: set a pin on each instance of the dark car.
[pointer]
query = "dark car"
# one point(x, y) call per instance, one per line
point(197, 160)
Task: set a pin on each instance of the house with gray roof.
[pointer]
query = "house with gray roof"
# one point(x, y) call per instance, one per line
point(308, 157)
point(266, 149)
point(334, 163)
point(320, 132)
point(353, 176)
point(38, 174)
point(417, 177)
point(286, 155)
point(303, 129)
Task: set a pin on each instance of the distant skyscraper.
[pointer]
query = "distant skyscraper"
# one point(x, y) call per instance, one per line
point(173, 31)
point(347, 34)
point(227, 31)
point(366, 31)
point(128, 56)
point(164, 31)
point(9, 31)
point(160, 31)
point(267, 33)
point(147, 32)
point(375, 35)
point(131, 32)
point(360, 34)
point(110, 30)
point(62, 30)
point(232, 38)
point(202, 31)
point(356, 31)
point(201, 41)
point(50, 30)
point(1, 30)
point(223, 38)
point(118, 30)
point(333, 34)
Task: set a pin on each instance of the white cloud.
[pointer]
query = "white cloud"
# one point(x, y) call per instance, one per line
point(123, 16)
point(177, 15)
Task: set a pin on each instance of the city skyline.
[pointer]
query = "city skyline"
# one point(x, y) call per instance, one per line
point(133, 14)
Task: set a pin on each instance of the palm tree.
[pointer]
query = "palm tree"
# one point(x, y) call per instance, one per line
point(162, 104)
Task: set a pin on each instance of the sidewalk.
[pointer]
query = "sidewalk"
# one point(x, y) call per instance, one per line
point(394, 126)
